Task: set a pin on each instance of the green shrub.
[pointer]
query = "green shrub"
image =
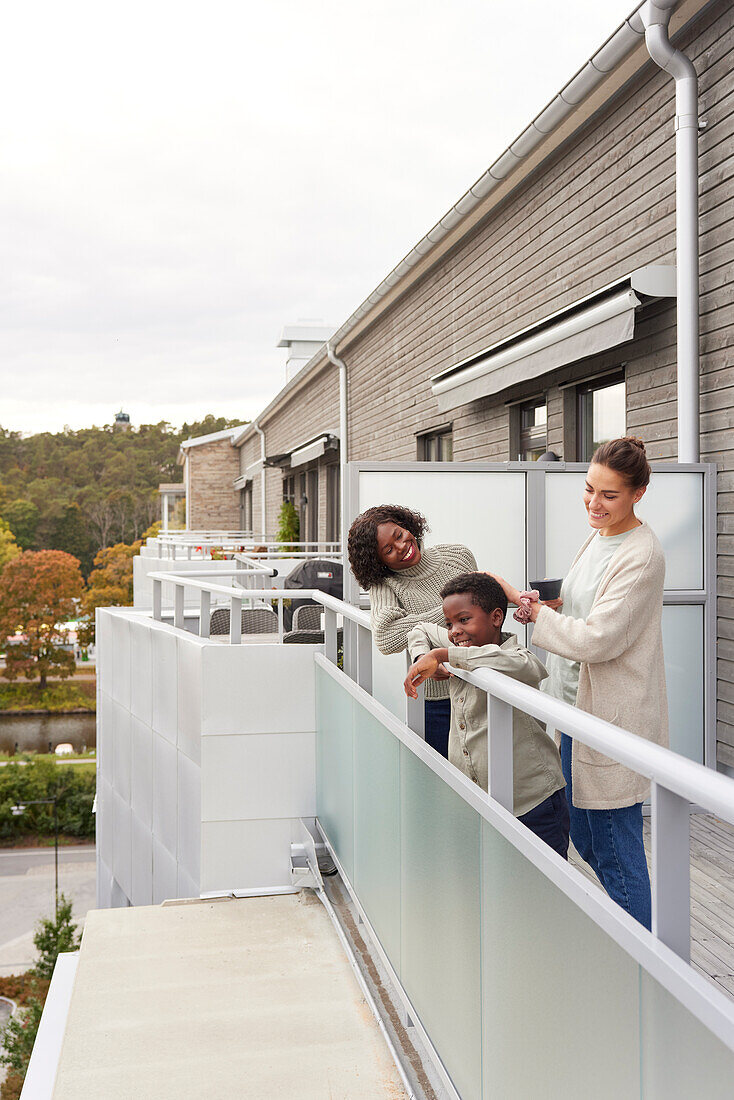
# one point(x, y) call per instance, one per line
point(52, 937)
point(24, 783)
point(289, 524)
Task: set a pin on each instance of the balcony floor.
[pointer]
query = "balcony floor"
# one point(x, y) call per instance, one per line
point(712, 896)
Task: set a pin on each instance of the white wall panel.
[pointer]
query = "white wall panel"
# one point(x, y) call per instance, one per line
point(105, 735)
point(257, 689)
point(121, 752)
point(142, 862)
point(121, 660)
point(267, 775)
point(105, 829)
point(165, 794)
point(189, 817)
point(122, 863)
point(141, 783)
point(165, 874)
point(165, 690)
point(245, 855)
point(186, 886)
point(104, 885)
point(105, 649)
point(189, 697)
point(141, 672)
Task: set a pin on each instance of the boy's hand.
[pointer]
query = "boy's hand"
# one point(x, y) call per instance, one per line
point(419, 671)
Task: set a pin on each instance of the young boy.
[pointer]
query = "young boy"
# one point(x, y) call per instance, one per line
point(474, 607)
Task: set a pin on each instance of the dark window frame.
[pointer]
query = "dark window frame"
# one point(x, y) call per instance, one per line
point(584, 395)
point(436, 445)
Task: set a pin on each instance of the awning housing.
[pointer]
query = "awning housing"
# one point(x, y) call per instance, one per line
point(306, 452)
point(600, 321)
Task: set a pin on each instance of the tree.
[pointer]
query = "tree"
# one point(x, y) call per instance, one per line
point(52, 937)
point(71, 534)
point(22, 516)
point(110, 584)
point(39, 590)
point(9, 548)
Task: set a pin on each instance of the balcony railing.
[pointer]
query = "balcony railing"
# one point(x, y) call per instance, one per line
point(187, 545)
point(488, 935)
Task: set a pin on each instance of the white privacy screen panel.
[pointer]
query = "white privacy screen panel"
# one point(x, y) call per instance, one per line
point(683, 647)
point(484, 510)
point(672, 505)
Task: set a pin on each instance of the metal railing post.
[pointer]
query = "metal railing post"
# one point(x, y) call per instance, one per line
point(205, 602)
point(280, 617)
point(415, 714)
point(364, 657)
point(671, 870)
point(499, 747)
point(235, 620)
point(157, 600)
point(330, 635)
point(178, 606)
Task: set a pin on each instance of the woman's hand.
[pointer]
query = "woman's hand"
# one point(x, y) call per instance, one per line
point(423, 669)
point(554, 605)
point(512, 593)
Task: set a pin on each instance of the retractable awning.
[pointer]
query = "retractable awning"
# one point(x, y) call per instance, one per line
point(600, 321)
point(305, 452)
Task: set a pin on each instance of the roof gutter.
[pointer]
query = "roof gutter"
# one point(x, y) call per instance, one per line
point(656, 18)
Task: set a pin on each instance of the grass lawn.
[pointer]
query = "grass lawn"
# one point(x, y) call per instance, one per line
point(58, 696)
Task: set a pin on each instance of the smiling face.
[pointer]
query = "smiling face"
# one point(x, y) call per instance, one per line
point(610, 500)
point(396, 547)
point(468, 623)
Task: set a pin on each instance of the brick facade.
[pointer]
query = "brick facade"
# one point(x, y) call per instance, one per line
point(213, 502)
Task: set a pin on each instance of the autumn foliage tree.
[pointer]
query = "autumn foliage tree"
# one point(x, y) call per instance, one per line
point(39, 591)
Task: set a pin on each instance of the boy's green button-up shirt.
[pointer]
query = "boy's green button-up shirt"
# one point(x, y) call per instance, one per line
point(536, 764)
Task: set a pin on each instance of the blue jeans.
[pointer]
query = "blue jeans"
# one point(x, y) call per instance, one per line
point(437, 721)
point(550, 822)
point(610, 841)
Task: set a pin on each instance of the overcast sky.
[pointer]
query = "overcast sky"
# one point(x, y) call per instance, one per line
point(180, 180)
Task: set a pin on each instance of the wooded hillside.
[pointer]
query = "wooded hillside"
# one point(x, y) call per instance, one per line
point(80, 491)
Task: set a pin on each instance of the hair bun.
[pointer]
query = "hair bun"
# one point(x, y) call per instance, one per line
point(635, 442)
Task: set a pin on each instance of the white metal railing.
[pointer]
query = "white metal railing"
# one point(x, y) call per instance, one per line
point(191, 544)
point(676, 781)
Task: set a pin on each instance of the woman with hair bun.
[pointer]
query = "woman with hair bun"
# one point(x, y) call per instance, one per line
point(606, 657)
point(404, 579)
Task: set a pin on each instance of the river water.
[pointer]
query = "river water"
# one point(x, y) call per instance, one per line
point(43, 732)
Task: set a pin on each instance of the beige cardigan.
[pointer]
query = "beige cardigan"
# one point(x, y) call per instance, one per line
point(622, 676)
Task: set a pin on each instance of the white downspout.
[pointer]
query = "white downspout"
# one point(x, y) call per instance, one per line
point(261, 433)
point(343, 443)
point(656, 17)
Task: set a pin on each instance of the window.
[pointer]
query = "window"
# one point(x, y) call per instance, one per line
point(289, 489)
point(333, 533)
point(533, 437)
point(436, 446)
point(601, 413)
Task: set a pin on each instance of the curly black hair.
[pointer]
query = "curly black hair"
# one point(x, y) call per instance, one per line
point(362, 543)
point(484, 591)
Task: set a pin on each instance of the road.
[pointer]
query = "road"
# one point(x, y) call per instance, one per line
point(27, 893)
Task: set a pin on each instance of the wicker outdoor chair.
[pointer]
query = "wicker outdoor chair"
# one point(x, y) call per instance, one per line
point(255, 620)
point(308, 617)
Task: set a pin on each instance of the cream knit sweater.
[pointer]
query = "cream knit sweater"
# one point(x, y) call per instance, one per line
point(412, 596)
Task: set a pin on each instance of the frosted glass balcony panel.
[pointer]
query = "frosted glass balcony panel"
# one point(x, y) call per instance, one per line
point(334, 766)
point(377, 828)
point(440, 920)
point(483, 510)
point(672, 505)
point(680, 1057)
point(559, 997)
point(388, 674)
point(683, 648)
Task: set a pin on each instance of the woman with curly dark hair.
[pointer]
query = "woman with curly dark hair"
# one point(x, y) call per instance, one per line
point(404, 579)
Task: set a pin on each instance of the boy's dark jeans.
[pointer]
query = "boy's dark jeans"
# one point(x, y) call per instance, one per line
point(550, 821)
point(437, 721)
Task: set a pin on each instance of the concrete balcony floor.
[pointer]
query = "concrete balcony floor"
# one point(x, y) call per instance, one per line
point(248, 998)
point(712, 896)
